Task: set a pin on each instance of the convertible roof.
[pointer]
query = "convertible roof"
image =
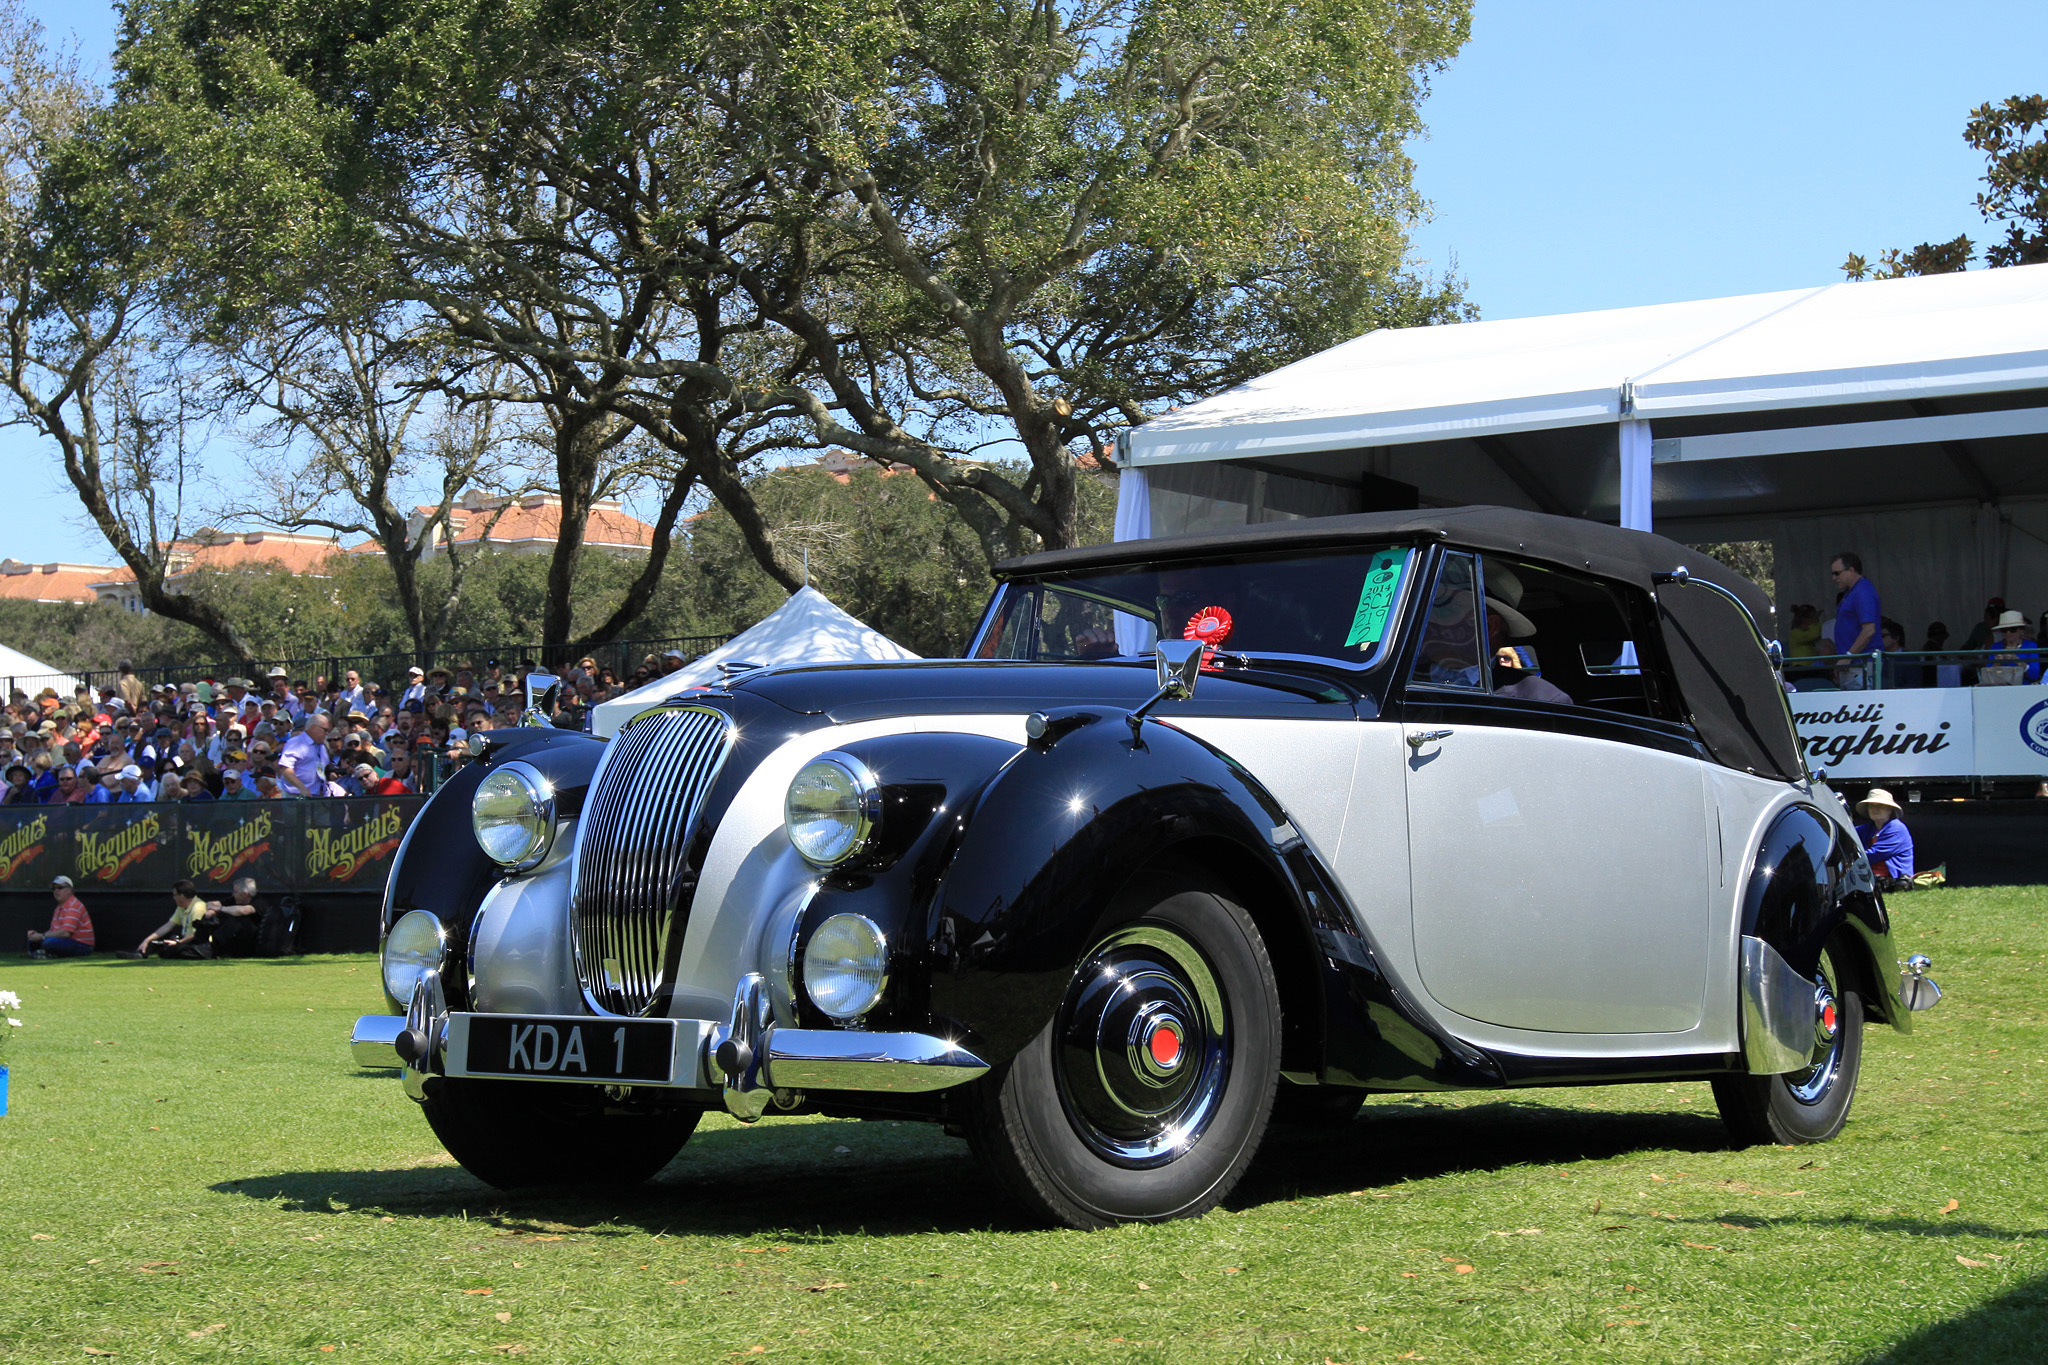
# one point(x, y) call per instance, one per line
point(1730, 687)
point(1568, 542)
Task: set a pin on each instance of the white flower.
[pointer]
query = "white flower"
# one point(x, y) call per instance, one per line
point(14, 1021)
point(9, 1001)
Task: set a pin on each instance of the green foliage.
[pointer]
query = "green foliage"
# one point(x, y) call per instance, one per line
point(303, 1204)
point(70, 636)
point(1755, 560)
point(2015, 197)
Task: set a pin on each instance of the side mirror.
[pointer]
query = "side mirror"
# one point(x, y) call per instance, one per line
point(1179, 664)
point(1777, 652)
point(541, 691)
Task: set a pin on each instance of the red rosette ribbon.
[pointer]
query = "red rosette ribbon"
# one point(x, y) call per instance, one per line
point(1210, 627)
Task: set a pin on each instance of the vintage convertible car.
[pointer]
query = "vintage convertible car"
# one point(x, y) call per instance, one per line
point(1204, 831)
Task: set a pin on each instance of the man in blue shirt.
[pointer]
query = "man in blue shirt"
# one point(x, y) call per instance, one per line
point(1858, 618)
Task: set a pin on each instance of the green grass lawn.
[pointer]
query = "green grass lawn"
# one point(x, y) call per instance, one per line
point(192, 1170)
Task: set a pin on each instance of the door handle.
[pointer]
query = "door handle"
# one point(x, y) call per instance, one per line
point(1422, 737)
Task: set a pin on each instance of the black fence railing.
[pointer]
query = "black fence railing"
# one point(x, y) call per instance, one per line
point(341, 844)
point(385, 669)
point(1916, 668)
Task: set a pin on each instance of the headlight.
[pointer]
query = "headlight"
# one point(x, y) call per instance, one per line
point(831, 808)
point(513, 813)
point(411, 949)
point(846, 965)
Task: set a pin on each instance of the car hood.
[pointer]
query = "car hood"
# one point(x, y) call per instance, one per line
point(843, 693)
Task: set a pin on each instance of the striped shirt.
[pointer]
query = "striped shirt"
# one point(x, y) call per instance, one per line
point(72, 922)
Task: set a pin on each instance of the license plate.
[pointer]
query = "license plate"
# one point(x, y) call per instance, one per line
point(570, 1049)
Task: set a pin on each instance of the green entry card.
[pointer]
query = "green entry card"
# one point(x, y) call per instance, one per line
point(1376, 598)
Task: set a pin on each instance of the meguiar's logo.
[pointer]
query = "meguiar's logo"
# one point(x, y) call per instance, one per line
point(337, 855)
point(22, 846)
point(217, 857)
point(107, 856)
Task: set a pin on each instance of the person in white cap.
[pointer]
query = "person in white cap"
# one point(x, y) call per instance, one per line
point(1885, 837)
point(415, 686)
point(2015, 659)
point(134, 787)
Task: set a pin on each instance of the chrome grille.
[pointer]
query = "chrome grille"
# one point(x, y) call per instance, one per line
point(630, 847)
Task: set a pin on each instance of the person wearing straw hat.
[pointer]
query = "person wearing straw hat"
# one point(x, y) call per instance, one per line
point(1885, 837)
point(2015, 659)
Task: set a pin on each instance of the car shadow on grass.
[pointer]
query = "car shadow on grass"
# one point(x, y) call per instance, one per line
point(2009, 1327)
point(1393, 1141)
point(841, 1176)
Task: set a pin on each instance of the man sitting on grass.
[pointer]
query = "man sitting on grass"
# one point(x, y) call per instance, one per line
point(184, 935)
point(70, 931)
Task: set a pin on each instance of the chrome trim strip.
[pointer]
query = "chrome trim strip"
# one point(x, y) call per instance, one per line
point(901, 1063)
point(371, 1041)
point(1777, 1012)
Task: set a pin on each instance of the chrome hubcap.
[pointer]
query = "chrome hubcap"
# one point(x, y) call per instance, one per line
point(1810, 1086)
point(1142, 1047)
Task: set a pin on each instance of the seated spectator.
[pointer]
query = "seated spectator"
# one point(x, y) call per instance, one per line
point(108, 790)
point(2014, 659)
point(18, 791)
point(233, 924)
point(70, 931)
point(134, 787)
point(234, 786)
point(267, 787)
point(1980, 634)
point(70, 790)
point(184, 935)
point(1885, 837)
point(193, 788)
point(398, 782)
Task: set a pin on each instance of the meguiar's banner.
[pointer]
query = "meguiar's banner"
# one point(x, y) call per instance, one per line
point(343, 844)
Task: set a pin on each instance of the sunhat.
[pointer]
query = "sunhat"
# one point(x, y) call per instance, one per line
point(2012, 620)
point(1877, 796)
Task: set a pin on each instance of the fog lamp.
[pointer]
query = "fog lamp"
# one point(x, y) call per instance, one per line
point(412, 949)
point(846, 966)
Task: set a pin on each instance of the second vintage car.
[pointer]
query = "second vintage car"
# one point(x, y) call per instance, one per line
point(1204, 830)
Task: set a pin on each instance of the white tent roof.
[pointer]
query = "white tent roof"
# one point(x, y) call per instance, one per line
point(1979, 331)
point(33, 675)
point(807, 629)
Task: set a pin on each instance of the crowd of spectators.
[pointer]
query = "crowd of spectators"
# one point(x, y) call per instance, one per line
point(1839, 651)
point(240, 739)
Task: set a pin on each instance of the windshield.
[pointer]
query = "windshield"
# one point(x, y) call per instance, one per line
point(1336, 608)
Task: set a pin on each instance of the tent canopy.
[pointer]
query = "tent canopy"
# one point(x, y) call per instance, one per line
point(33, 675)
point(807, 629)
point(1905, 419)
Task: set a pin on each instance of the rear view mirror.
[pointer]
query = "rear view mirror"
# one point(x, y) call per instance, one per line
point(541, 691)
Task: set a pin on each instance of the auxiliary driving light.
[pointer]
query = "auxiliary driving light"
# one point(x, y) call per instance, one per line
point(846, 966)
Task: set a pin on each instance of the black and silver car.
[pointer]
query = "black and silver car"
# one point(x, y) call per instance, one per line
point(1205, 832)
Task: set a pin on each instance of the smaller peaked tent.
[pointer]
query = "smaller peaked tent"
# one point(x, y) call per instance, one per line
point(33, 675)
point(807, 629)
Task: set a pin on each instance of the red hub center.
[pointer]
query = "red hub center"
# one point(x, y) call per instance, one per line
point(1165, 1045)
point(1827, 1016)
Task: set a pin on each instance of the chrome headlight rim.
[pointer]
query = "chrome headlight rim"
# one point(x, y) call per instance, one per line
point(843, 1008)
point(537, 795)
point(416, 944)
point(866, 793)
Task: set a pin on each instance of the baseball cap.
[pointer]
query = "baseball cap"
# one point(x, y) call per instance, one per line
point(61, 880)
point(363, 770)
point(131, 773)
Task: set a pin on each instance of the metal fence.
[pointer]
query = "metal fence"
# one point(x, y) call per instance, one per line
point(388, 669)
point(1915, 668)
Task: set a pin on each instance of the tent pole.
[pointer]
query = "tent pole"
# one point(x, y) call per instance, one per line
point(1634, 438)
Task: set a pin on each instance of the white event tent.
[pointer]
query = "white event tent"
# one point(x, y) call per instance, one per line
point(807, 629)
point(1904, 419)
point(33, 675)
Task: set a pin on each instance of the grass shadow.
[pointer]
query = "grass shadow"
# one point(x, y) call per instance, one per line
point(2009, 1327)
point(1392, 1141)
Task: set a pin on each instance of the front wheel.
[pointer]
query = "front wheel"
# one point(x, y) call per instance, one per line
point(515, 1134)
point(1147, 1094)
point(1808, 1105)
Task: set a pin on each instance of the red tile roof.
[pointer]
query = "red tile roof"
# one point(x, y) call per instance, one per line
point(50, 582)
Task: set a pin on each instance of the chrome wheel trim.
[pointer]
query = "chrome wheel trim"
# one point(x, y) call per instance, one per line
point(1812, 1086)
point(1141, 1048)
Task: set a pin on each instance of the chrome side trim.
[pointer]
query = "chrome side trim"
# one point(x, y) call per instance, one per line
point(1777, 1012)
point(371, 1041)
point(901, 1063)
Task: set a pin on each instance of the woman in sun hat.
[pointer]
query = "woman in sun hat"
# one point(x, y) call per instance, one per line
point(2015, 658)
point(1885, 837)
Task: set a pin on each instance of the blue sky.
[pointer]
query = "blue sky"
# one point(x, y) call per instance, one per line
point(1585, 154)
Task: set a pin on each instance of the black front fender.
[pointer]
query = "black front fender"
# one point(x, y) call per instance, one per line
point(1063, 828)
point(1809, 884)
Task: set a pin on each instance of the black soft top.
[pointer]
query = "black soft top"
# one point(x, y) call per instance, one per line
point(1738, 707)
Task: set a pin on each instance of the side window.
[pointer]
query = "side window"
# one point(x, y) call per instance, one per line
point(1575, 641)
point(1008, 635)
point(1448, 654)
point(1075, 627)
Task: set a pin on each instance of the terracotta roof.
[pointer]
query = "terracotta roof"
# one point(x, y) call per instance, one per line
point(540, 519)
point(298, 554)
point(50, 582)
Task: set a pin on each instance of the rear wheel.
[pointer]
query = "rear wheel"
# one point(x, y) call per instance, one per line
point(515, 1134)
point(1812, 1104)
point(1147, 1094)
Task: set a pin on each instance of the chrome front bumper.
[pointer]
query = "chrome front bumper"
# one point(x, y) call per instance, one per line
point(748, 1058)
